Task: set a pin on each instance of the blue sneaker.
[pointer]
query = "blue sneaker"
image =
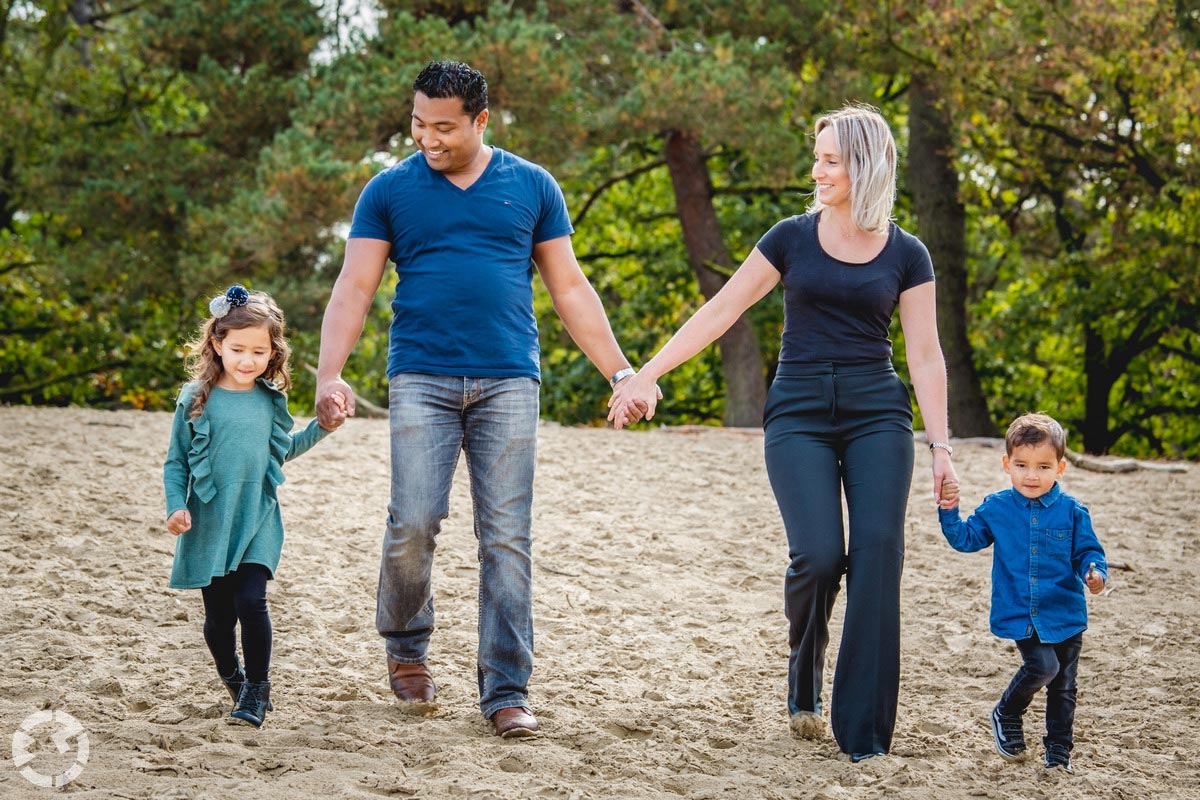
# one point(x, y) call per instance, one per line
point(1058, 756)
point(1009, 734)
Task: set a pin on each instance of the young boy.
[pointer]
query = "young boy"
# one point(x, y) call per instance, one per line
point(1045, 552)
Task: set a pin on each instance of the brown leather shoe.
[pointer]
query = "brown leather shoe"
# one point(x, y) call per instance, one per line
point(411, 683)
point(515, 723)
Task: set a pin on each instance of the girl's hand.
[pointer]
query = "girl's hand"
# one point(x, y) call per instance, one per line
point(180, 522)
point(335, 402)
point(339, 417)
point(1094, 580)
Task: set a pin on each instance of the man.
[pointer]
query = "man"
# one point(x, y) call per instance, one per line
point(462, 221)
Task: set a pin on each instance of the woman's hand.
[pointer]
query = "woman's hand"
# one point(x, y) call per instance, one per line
point(945, 480)
point(633, 398)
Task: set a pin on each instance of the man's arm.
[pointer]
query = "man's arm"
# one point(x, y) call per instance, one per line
point(578, 305)
point(355, 288)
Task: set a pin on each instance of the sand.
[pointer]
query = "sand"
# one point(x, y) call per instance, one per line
point(661, 651)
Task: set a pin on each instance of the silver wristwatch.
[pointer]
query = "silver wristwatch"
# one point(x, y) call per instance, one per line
point(621, 375)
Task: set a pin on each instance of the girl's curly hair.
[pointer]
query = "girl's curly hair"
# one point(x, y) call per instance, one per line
point(204, 365)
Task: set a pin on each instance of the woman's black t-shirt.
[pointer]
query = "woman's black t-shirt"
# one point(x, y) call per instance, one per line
point(836, 311)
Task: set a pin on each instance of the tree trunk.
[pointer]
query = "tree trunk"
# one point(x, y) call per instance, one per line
point(1100, 378)
point(8, 176)
point(741, 360)
point(942, 221)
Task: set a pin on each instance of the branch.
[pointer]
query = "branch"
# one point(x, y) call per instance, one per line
point(1059, 133)
point(13, 265)
point(116, 12)
point(617, 254)
point(613, 181)
point(14, 393)
point(899, 48)
point(1094, 464)
point(772, 191)
point(24, 331)
point(1141, 161)
point(654, 21)
point(1141, 340)
point(1186, 355)
point(369, 409)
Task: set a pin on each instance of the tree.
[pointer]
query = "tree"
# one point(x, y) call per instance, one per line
point(1074, 122)
point(575, 77)
point(126, 128)
point(933, 182)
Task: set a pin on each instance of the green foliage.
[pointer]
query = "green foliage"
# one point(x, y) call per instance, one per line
point(153, 156)
point(103, 350)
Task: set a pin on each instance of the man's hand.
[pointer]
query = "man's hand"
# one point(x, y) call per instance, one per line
point(335, 402)
point(633, 398)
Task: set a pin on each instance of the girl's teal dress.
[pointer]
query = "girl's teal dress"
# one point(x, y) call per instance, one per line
point(224, 467)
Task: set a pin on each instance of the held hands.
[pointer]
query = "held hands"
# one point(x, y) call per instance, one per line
point(335, 402)
point(1094, 580)
point(945, 480)
point(633, 398)
point(180, 522)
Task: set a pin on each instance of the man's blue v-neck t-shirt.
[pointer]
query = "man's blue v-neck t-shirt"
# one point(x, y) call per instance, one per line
point(464, 298)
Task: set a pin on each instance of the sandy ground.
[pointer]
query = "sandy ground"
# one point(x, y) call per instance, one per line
point(661, 649)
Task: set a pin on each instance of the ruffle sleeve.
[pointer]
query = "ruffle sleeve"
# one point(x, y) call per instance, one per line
point(199, 463)
point(281, 436)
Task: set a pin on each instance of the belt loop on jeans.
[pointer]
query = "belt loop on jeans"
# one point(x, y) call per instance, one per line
point(829, 384)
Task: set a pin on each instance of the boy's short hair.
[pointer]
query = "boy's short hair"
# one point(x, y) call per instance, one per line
point(1035, 429)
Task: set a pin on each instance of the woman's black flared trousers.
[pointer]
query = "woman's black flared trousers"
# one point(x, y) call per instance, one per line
point(831, 429)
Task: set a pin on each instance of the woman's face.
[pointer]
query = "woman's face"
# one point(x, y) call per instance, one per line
point(829, 171)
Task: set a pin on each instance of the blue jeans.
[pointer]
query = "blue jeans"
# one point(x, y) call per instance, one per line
point(494, 421)
point(1053, 666)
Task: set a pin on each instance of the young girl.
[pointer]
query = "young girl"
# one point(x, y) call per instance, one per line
point(231, 435)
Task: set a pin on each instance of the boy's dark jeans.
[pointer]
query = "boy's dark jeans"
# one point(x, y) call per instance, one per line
point(1053, 666)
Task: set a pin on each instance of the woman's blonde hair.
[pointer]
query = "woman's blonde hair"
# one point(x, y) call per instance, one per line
point(868, 150)
point(204, 365)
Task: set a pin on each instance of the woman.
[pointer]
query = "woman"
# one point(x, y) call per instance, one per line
point(837, 417)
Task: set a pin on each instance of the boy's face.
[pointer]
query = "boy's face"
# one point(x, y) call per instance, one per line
point(1034, 468)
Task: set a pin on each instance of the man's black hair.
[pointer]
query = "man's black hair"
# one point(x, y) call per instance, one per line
point(442, 79)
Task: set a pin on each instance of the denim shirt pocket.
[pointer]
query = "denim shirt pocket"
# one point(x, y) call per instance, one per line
point(1057, 540)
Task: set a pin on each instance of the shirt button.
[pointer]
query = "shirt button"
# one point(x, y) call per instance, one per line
point(1035, 550)
point(1034, 612)
point(1035, 520)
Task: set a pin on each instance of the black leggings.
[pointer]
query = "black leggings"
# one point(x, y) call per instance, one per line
point(239, 596)
point(831, 430)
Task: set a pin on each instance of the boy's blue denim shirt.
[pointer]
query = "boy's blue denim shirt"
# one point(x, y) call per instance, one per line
point(1042, 551)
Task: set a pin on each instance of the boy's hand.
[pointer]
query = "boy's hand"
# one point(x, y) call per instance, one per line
point(180, 522)
point(1094, 580)
point(949, 494)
